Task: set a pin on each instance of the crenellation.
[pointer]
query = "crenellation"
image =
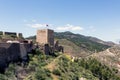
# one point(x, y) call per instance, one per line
point(11, 33)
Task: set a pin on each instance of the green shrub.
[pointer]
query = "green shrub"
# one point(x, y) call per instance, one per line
point(43, 74)
point(56, 72)
point(99, 70)
point(2, 77)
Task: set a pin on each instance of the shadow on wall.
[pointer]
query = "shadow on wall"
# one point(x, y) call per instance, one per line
point(13, 52)
point(8, 53)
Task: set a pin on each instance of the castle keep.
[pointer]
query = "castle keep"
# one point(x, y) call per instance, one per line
point(45, 39)
point(45, 36)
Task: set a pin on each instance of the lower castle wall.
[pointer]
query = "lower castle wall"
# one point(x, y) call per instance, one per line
point(13, 52)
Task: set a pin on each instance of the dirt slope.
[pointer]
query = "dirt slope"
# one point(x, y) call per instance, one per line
point(110, 56)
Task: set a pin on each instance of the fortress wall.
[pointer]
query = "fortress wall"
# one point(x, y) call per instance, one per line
point(28, 47)
point(10, 51)
point(25, 49)
point(51, 37)
point(41, 36)
point(19, 35)
point(11, 33)
point(5, 45)
point(13, 52)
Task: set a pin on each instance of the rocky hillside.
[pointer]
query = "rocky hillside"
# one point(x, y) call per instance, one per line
point(109, 43)
point(89, 43)
point(59, 67)
point(72, 49)
point(85, 43)
point(110, 56)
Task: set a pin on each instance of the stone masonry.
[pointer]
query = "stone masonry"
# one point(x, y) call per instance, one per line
point(45, 36)
point(11, 33)
point(13, 52)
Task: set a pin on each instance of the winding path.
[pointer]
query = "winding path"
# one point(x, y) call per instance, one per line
point(109, 53)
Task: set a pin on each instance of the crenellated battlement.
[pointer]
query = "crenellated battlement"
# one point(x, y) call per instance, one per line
point(18, 35)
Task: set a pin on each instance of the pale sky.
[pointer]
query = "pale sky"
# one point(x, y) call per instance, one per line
point(97, 18)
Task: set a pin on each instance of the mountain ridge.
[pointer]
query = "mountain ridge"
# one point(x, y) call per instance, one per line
point(88, 42)
point(78, 45)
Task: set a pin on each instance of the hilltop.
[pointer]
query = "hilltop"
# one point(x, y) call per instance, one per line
point(84, 58)
point(79, 45)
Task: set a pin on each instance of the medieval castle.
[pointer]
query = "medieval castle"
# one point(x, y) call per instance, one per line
point(17, 48)
point(45, 39)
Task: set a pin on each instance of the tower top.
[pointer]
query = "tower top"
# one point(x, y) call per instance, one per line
point(45, 36)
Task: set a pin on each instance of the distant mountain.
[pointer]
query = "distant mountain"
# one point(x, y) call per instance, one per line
point(31, 37)
point(89, 43)
point(109, 43)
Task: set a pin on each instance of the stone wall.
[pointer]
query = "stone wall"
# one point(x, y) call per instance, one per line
point(13, 52)
point(11, 33)
point(58, 48)
point(41, 36)
point(45, 36)
point(51, 37)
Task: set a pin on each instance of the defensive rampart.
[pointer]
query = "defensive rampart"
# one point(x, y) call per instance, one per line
point(13, 52)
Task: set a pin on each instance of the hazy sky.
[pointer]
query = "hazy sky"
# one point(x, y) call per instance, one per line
point(98, 18)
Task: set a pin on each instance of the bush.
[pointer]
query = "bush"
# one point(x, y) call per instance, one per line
point(56, 72)
point(43, 74)
point(2, 77)
point(10, 70)
point(99, 70)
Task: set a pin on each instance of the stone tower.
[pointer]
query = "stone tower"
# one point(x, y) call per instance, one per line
point(45, 36)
